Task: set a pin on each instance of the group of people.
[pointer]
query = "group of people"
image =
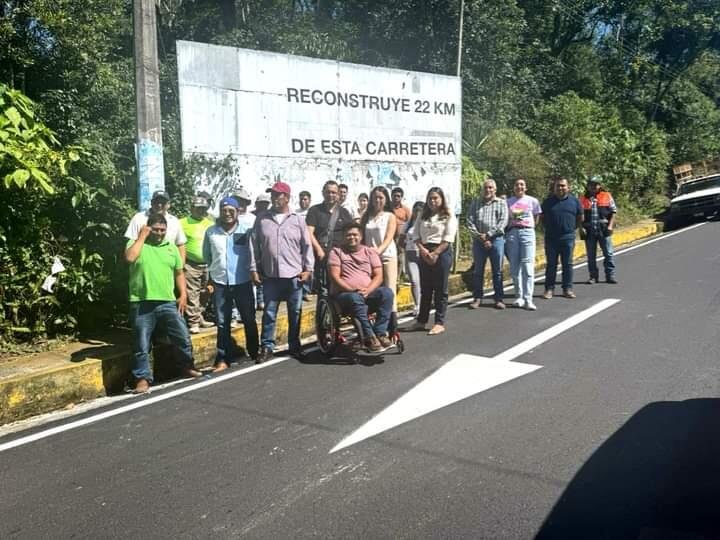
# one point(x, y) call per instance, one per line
point(502, 227)
point(354, 255)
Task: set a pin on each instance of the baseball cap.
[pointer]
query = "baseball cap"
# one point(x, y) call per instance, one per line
point(279, 187)
point(229, 201)
point(160, 194)
point(242, 193)
point(200, 201)
point(263, 197)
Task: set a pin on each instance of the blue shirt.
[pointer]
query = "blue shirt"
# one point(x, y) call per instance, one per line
point(227, 253)
point(560, 216)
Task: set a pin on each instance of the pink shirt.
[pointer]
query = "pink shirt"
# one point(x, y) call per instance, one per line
point(523, 211)
point(356, 267)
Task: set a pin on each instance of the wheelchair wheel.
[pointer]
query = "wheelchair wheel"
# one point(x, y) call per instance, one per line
point(327, 326)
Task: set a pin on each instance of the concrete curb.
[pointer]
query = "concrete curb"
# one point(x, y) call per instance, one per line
point(68, 382)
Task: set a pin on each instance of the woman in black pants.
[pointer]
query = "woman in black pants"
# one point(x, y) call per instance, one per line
point(434, 234)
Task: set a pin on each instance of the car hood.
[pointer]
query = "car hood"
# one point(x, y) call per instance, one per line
point(696, 194)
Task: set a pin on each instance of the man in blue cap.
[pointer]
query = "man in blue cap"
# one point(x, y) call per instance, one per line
point(226, 250)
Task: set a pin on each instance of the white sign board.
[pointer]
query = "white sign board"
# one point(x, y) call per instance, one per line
point(305, 121)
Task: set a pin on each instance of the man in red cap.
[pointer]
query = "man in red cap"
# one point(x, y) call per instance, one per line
point(281, 258)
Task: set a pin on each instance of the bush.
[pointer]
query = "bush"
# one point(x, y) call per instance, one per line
point(49, 212)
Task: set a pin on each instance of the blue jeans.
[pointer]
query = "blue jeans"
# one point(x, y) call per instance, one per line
point(242, 297)
point(379, 301)
point(307, 286)
point(145, 317)
point(591, 243)
point(276, 290)
point(259, 296)
point(434, 286)
point(520, 248)
point(480, 257)
point(562, 247)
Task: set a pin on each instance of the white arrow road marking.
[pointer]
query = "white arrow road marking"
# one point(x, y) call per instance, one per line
point(464, 376)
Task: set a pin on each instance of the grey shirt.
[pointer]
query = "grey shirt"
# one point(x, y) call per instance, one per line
point(489, 218)
point(281, 248)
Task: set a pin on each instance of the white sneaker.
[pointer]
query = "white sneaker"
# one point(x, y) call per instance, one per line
point(207, 324)
point(519, 303)
point(530, 306)
point(195, 329)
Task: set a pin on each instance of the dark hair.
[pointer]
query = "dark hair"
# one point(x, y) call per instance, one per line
point(156, 218)
point(399, 190)
point(370, 212)
point(304, 193)
point(329, 183)
point(343, 186)
point(364, 195)
point(415, 207)
point(444, 210)
point(351, 225)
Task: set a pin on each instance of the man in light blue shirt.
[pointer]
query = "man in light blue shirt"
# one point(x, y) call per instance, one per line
point(226, 249)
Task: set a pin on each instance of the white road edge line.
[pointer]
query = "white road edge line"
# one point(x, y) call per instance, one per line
point(215, 380)
point(136, 405)
point(559, 328)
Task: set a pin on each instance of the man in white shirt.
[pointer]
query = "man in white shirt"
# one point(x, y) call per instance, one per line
point(305, 200)
point(159, 204)
point(343, 190)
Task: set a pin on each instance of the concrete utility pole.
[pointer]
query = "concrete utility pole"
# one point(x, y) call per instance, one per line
point(459, 62)
point(460, 36)
point(148, 147)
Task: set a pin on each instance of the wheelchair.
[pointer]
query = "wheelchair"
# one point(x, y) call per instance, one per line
point(329, 320)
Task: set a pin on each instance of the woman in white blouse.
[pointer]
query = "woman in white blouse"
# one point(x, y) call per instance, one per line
point(434, 235)
point(379, 227)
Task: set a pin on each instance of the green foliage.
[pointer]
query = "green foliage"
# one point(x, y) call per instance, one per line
point(61, 216)
point(472, 181)
point(572, 131)
point(510, 154)
point(29, 154)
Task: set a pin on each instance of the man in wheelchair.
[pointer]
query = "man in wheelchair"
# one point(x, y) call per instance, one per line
point(356, 276)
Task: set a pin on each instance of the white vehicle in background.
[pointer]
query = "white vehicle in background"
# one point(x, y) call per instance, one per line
point(695, 199)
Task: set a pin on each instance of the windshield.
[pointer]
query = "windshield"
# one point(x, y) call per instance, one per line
point(712, 182)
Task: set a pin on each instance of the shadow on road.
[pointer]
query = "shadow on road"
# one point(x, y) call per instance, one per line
point(344, 355)
point(657, 477)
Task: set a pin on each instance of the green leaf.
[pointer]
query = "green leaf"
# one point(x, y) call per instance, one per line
point(43, 179)
point(20, 177)
point(13, 115)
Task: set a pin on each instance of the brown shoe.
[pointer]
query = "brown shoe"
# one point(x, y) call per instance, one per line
point(499, 305)
point(141, 387)
point(569, 294)
point(385, 341)
point(548, 294)
point(372, 344)
point(475, 304)
point(220, 366)
point(436, 329)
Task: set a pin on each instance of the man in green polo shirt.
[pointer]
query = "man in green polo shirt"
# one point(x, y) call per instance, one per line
point(156, 269)
point(196, 269)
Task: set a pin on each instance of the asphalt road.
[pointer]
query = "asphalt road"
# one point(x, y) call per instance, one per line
point(615, 436)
